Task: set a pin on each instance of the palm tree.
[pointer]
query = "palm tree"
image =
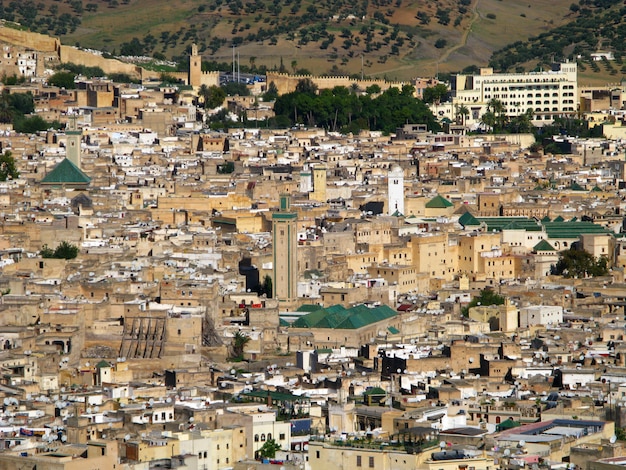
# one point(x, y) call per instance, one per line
point(239, 344)
point(464, 112)
point(497, 108)
point(488, 120)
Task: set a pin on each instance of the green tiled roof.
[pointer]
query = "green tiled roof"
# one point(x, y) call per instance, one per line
point(308, 308)
point(543, 245)
point(559, 219)
point(338, 317)
point(546, 219)
point(576, 187)
point(397, 213)
point(393, 330)
point(572, 229)
point(66, 173)
point(438, 202)
point(468, 220)
point(375, 391)
point(517, 223)
point(596, 189)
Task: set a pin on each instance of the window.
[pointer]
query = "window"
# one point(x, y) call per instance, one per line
point(371, 462)
point(358, 460)
point(256, 438)
point(281, 436)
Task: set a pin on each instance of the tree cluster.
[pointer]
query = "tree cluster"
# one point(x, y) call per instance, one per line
point(594, 22)
point(8, 170)
point(487, 297)
point(578, 263)
point(343, 109)
point(65, 250)
point(16, 108)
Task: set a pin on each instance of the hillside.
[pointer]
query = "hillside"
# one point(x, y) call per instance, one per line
point(392, 38)
point(596, 26)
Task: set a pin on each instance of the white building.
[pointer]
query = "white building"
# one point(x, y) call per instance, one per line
point(550, 94)
point(395, 190)
point(540, 315)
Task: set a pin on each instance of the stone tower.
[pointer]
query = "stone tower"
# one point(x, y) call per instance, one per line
point(319, 183)
point(195, 67)
point(395, 191)
point(72, 146)
point(284, 243)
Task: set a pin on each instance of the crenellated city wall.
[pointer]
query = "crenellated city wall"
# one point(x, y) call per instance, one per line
point(286, 83)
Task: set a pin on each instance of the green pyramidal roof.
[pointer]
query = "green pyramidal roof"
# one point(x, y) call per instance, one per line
point(468, 219)
point(66, 173)
point(543, 245)
point(338, 317)
point(438, 202)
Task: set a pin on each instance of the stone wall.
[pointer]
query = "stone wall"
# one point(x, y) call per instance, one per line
point(36, 41)
point(77, 56)
point(286, 83)
point(43, 43)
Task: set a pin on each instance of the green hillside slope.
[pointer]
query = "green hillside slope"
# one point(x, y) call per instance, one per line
point(393, 38)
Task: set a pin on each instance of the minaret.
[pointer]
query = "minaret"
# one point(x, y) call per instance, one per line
point(74, 136)
point(195, 67)
point(395, 190)
point(284, 243)
point(319, 184)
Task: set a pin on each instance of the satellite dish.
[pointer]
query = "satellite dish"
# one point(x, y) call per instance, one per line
point(613, 439)
point(522, 443)
point(507, 452)
point(442, 444)
point(127, 437)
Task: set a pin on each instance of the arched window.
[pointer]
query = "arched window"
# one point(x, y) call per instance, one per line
point(269, 436)
point(256, 438)
point(262, 437)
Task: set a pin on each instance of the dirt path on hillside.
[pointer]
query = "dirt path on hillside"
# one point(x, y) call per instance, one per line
point(463, 42)
point(434, 63)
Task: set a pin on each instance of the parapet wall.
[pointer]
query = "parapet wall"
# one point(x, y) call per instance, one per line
point(286, 83)
point(35, 41)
